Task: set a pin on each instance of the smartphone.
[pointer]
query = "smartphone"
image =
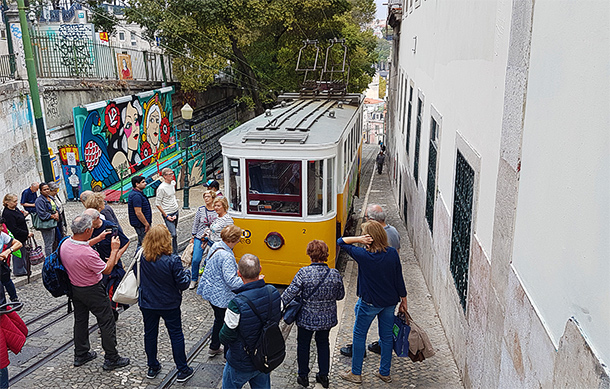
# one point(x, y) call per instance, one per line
point(115, 231)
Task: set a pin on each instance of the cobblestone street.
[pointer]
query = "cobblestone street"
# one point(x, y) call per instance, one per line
point(437, 372)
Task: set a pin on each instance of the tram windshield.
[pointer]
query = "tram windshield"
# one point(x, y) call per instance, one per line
point(274, 187)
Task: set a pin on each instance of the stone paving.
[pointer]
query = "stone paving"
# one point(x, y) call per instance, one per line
point(437, 372)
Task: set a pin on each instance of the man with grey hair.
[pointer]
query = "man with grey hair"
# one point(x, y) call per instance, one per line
point(85, 195)
point(85, 268)
point(168, 205)
point(375, 212)
point(242, 326)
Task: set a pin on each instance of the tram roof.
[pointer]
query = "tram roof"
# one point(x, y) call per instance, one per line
point(306, 121)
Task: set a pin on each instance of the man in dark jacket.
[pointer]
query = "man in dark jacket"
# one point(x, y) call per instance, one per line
point(138, 208)
point(243, 326)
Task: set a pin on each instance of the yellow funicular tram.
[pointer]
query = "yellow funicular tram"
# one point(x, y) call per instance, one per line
point(291, 174)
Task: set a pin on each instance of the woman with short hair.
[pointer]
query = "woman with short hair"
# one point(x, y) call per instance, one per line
point(221, 206)
point(219, 279)
point(203, 219)
point(381, 287)
point(162, 280)
point(14, 219)
point(319, 288)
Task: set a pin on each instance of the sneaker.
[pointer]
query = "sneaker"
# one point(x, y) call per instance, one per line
point(375, 347)
point(385, 378)
point(15, 300)
point(303, 380)
point(213, 353)
point(349, 376)
point(91, 355)
point(153, 372)
point(119, 362)
point(193, 285)
point(347, 351)
point(185, 375)
point(322, 379)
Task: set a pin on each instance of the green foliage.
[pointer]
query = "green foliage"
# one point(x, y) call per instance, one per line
point(383, 49)
point(260, 39)
point(382, 87)
point(102, 19)
point(245, 99)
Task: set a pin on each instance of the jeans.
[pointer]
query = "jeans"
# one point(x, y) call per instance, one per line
point(171, 226)
point(48, 237)
point(198, 254)
point(4, 378)
point(365, 313)
point(235, 379)
point(173, 323)
point(141, 231)
point(322, 345)
point(95, 300)
point(219, 319)
point(9, 287)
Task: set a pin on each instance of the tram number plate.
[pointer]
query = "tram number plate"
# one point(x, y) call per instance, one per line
point(304, 231)
point(245, 237)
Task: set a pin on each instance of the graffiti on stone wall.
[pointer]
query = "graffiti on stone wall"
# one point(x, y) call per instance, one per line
point(123, 138)
point(72, 44)
point(18, 44)
point(18, 112)
point(51, 104)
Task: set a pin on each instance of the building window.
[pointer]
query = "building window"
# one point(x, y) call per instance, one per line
point(330, 184)
point(121, 36)
point(409, 118)
point(432, 161)
point(274, 187)
point(462, 224)
point(234, 185)
point(420, 103)
point(404, 107)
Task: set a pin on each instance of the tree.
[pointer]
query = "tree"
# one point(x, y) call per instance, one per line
point(382, 87)
point(260, 39)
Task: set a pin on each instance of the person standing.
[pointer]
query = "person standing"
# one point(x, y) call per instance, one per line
point(28, 198)
point(221, 206)
point(242, 327)
point(219, 279)
point(375, 212)
point(203, 219)
point(381, 287)
point(215, 186)
point(101, 241)
point(162, 280)
point(379, 160)
point(46, 209)
point(319, 287)
point(14, 219)
point(85, 268)
point(62, 225)
point(98, 201)
point(138, 208)
point(8, 246)
point(168, 205)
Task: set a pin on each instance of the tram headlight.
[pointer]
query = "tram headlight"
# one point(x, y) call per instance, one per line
point(274, 240)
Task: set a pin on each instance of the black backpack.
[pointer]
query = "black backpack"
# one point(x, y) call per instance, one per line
point(54, 276)
point(269, 350)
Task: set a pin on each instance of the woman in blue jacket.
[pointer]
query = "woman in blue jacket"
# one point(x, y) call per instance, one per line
point(381, 287)
point(46, 210)
point(162, 280)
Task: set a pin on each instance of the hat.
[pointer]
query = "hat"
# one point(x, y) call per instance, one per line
point(213, 184)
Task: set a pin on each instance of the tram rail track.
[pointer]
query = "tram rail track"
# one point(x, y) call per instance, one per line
point(193, 353)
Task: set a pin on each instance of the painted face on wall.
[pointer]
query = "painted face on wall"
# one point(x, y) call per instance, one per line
point(132, 127)
point(152, 126)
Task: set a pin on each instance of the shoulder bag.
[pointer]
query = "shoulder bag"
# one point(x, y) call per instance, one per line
point(128, 290)
point(40, 224)
point(292, 309)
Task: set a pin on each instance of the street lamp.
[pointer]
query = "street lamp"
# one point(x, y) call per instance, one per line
point(187, 115)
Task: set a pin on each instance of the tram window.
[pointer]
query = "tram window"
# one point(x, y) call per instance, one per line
point(330, 199)
point(274, 187)
point(234, 185)
point(315, 187)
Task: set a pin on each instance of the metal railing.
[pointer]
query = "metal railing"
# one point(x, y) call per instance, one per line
point(7, 67)
point(57, 57)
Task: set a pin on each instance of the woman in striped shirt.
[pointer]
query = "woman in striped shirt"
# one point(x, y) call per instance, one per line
point(203, 219)
point(221, 206)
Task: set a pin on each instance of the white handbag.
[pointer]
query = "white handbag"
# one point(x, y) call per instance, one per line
point(128, 289)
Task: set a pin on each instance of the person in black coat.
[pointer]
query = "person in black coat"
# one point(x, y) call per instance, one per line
point(14, 219)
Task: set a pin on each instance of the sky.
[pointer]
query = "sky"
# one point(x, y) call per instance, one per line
point(382, 10)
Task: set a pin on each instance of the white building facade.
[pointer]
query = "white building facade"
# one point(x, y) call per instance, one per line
point(499, 148)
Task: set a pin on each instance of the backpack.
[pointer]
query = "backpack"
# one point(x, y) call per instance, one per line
point(269, 350)
point(54, 276)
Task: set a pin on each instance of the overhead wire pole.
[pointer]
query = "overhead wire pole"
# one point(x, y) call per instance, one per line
point(45, 158)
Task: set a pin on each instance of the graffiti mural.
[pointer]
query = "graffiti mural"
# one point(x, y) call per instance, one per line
point(131, 135)
point(72, 43)
point(70, 166)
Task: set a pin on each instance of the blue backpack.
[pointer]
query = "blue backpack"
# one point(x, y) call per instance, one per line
point(54, 276)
